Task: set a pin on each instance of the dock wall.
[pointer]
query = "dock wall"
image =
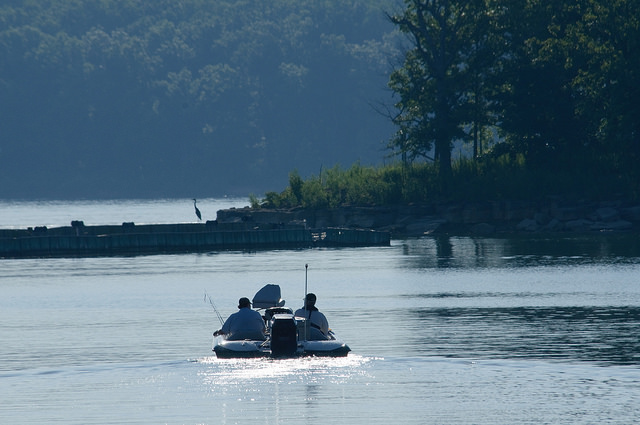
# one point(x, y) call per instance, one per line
point(80, 240)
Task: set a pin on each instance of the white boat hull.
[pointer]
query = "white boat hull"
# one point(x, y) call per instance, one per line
point(247, 349)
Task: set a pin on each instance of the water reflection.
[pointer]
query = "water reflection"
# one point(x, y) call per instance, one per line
point(444, 251)
point(605, 335)
point(284, 390)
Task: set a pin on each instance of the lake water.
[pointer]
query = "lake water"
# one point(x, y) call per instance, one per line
point(442, 330)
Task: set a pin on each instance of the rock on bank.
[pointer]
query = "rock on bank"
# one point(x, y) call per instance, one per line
point(472, 218)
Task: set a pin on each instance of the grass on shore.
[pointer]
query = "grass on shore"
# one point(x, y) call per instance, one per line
point(503, 178)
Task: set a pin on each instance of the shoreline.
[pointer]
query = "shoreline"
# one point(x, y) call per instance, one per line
point(472, 218)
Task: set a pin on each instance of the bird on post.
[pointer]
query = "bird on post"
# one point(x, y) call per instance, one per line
point(197, 210)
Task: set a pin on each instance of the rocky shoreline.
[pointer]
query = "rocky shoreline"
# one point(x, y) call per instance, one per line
point(473, 218)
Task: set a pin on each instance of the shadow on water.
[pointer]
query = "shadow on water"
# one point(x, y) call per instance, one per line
point(443, 251)
point(604, 335)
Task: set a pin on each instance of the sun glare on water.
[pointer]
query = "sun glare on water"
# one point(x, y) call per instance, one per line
point(230, 372)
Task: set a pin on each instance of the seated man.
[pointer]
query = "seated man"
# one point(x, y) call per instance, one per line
point(318, 328)
point(243, 324)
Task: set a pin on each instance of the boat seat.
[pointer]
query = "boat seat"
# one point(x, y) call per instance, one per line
point(268, 296)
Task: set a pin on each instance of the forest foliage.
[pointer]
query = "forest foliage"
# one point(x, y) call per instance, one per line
point(557, 82)
point(123, 98)
point(545, 94)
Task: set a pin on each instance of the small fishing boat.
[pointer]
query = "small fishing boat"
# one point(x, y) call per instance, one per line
point(287, 335)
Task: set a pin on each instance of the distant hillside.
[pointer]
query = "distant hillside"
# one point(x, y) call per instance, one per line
point(121, 98)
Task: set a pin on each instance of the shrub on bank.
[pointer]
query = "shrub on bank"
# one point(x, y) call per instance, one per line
point(502, 178)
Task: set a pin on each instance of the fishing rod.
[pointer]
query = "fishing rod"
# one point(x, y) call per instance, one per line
point(206, 296)
point(306, 269)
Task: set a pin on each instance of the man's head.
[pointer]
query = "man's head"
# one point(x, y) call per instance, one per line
point(310, 300)
point(244, 302)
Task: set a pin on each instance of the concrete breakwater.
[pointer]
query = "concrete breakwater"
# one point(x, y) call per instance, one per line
point(472, 218)
point(129, 238)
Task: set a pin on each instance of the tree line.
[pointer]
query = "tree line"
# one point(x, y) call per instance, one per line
point(198, 97)
point(191, 98)
point(543, 94)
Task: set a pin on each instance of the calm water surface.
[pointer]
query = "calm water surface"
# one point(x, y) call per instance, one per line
point(443, 330)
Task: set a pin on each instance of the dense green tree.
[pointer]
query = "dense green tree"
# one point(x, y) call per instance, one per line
point(556, 80)
point(440, 86)
point(538, 103)
point(571, 81)
point(604, 46)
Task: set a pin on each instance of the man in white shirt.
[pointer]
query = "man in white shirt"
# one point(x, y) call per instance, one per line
point(318, 328)
point(243, 324)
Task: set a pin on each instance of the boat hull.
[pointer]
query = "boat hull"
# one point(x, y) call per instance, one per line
point(331, 348)
point(240, 349)
point(252, 349)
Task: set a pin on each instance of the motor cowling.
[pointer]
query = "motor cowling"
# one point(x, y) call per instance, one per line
point(284, 335)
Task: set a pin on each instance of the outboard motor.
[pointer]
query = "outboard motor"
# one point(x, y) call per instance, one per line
point(284, 335)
